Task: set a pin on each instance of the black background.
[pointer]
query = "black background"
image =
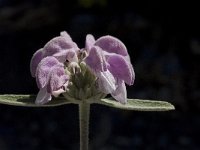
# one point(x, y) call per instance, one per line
point(162, 39)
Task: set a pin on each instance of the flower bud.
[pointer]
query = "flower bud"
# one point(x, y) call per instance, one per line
point(83, 85)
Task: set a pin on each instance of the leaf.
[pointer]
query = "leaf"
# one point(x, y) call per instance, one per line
point(138, 105)
point(29, 101)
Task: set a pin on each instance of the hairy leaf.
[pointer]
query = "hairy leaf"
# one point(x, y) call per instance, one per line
point(138, 105)
point(29, 101)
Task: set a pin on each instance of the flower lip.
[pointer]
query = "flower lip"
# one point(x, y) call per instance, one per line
point(112, 45)
point(43, 97)
point(96, 59)
point(43, 70)
point(57, 79)
point(37, 57)
point(61, 47)
point(51, 78)
point(90, 41)
point(120, 68)
point(58, 44)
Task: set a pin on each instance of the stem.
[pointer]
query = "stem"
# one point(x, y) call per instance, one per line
point(84, 114)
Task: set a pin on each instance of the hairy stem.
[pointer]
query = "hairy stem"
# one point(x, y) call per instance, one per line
point(84, 114)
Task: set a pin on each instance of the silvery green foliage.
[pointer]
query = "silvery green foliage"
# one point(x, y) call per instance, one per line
point(132, 104)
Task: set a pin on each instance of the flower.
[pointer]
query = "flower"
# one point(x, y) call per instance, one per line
point(61, 47)
point(47, 66)
point(109, 60)
point(51, 79)
point(102, 67)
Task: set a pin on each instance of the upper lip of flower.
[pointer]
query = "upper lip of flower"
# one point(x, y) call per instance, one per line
point(61, 47)
point(110, 53)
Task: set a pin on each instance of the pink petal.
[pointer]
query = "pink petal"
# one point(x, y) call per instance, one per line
point(112, 45)
point(65, 35)
point(106, 82)
point(58, 44)
point(68, 38)
point(43, 96)
point(69, 55)
point(44, 69)
point(121, 68)
point(120, 94)
point(37, 57)
point(96, 60)
point(89, 43)
point(57, 79)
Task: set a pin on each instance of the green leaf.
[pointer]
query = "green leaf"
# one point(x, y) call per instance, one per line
point(29, 101)
point(138, 105)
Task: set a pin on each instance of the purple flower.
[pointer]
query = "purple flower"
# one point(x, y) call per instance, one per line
point(47, 65)
point(51, 79)
point(61, 47)
point(109, 60)
point(61, 67)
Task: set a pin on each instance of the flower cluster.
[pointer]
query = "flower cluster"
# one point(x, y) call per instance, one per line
point(102, 67)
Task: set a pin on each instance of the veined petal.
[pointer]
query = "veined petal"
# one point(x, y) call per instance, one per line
point(120, 94)
point(44, 69)
point(89, 43)
point(42, 77)
point(37, 57)
point(121, 68)
point(57, 79)
point(68, 38)
point(106, 82)
point(43, 96)
point(65, 35)
point(58, 44)
point(96, 59)
point(69, 55)
point(132, 74)
point(112, 45)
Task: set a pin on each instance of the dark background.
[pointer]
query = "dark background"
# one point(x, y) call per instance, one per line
point(163, 40)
